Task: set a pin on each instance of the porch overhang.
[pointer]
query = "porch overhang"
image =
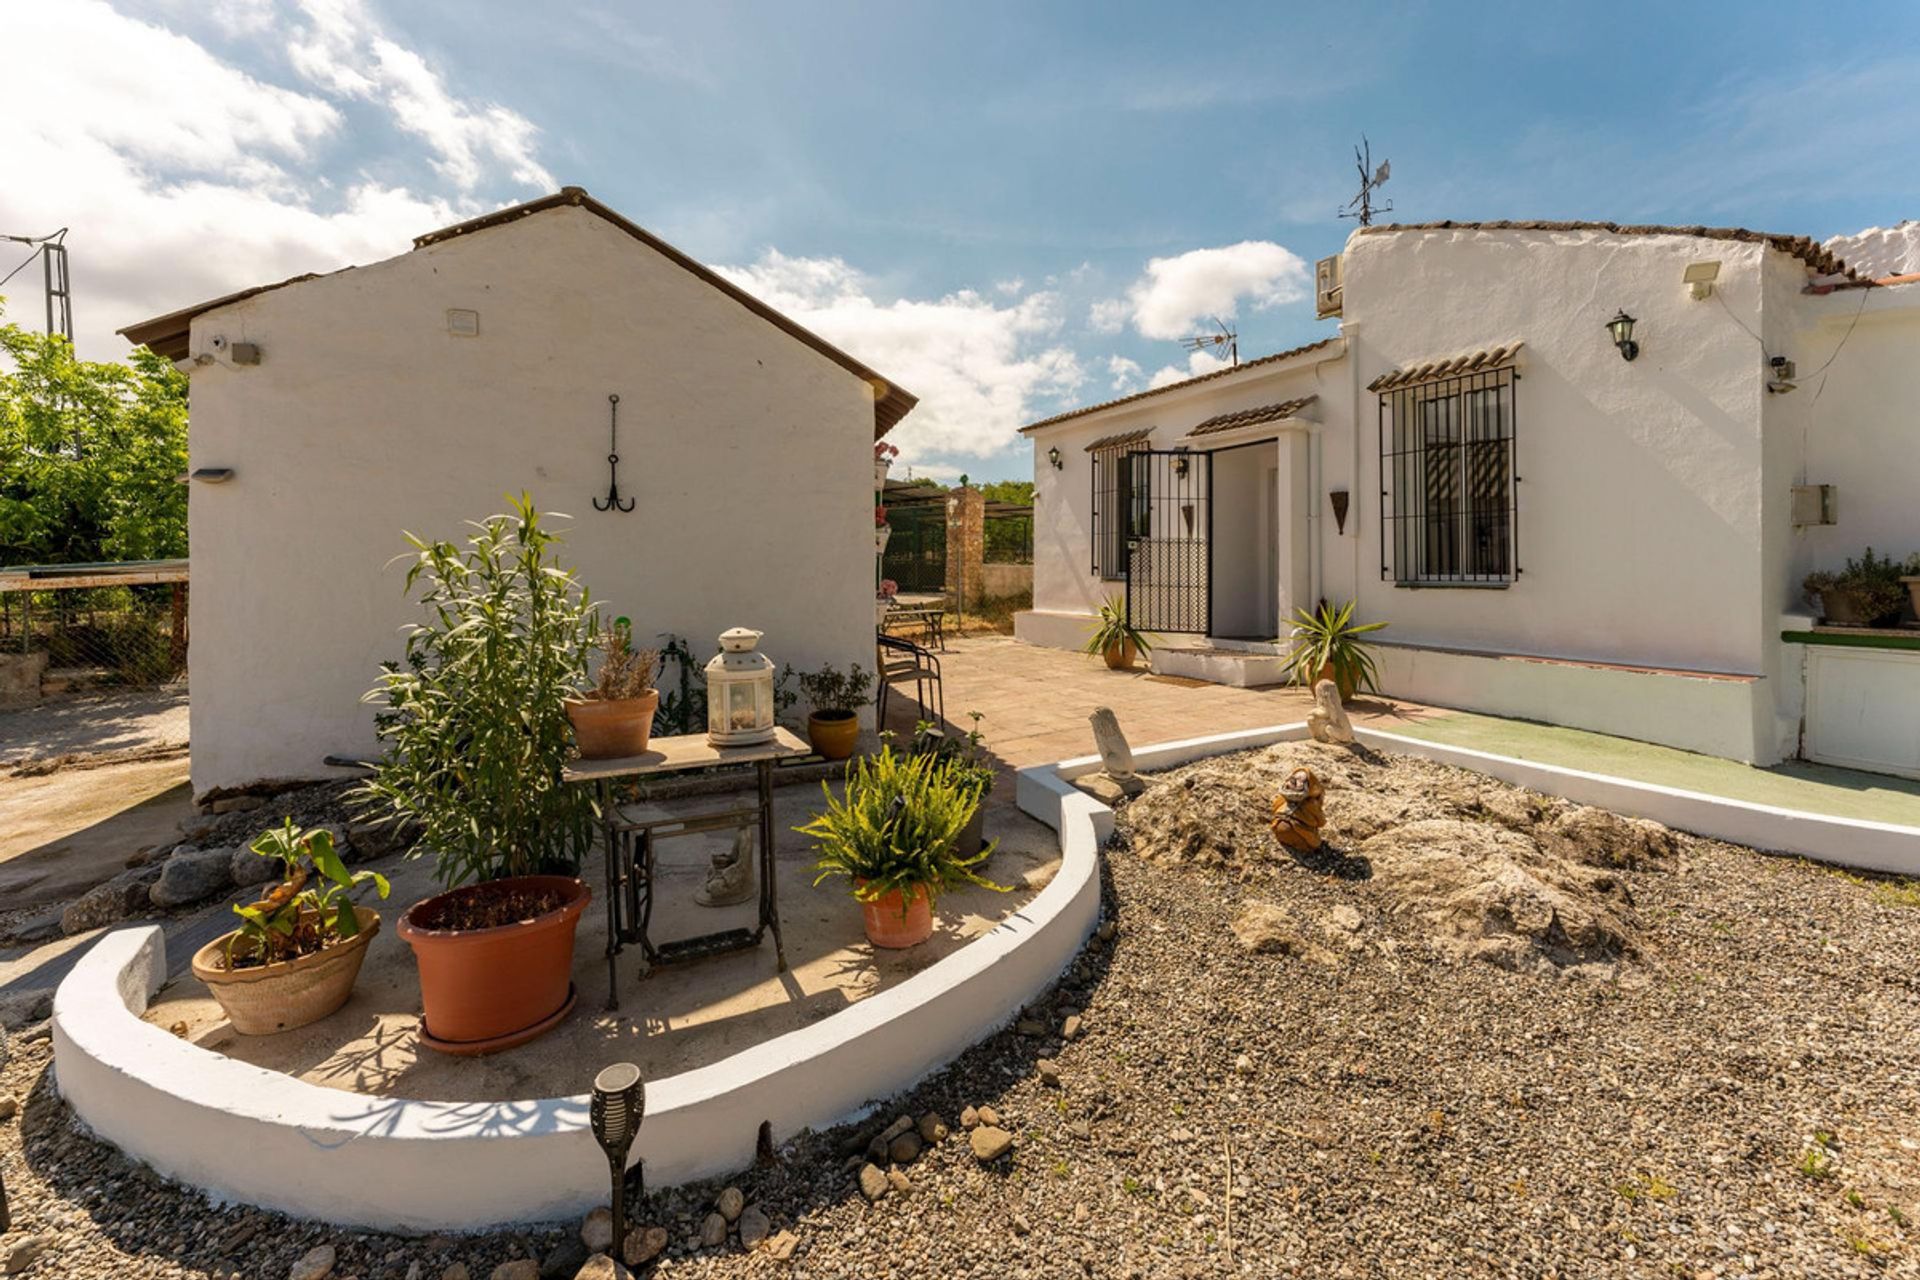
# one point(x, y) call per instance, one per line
point(1250, 426)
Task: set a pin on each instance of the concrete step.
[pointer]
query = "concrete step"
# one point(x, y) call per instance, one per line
point(1239, 668)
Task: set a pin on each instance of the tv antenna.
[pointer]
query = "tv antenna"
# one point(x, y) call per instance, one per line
point(1371, 180)
point(1212, 342)
point(52, 252)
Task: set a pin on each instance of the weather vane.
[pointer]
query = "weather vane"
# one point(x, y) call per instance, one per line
point(1371, 180)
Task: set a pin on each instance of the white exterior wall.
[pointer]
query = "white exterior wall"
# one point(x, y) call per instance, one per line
point(748, 454)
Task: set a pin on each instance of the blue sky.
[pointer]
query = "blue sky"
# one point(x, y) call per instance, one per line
point(1011, 208)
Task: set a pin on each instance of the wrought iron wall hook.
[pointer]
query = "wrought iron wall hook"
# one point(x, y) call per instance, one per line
point(613, 501)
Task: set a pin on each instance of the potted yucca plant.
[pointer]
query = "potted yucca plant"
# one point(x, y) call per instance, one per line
point(614, 717)
point(895, 835)
point(297, 953)
point(1116, 640)
point(1327, 646)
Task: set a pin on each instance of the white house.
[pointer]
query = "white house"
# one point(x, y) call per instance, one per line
point(1551, 531)
point(412, 394)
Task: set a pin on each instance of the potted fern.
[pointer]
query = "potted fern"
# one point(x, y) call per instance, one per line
point(894, 835)
point(1115, 639)
point(297, 953)
point(1327, 646)
point(614, 717)
point(476, 734)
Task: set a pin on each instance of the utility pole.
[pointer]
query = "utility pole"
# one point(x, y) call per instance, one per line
point(52, 252)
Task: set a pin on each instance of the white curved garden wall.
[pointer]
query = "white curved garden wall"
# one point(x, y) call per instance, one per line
point(246, 1134)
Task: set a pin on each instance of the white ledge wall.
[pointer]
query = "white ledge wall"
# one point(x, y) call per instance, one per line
point(255, 1136)
point(245, 1134)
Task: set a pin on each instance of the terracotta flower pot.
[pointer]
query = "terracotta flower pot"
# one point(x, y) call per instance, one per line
point(1121, 657)
point(266, 998)
point(833, 734)
point(490, 989)
point(1344, 686)
point(897, 925)
point(610, 730)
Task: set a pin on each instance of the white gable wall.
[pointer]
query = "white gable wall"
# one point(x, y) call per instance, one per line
point(747, 453)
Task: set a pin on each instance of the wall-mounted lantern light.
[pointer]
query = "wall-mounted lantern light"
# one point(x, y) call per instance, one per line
point(1621, 327)
point(1053, 456)
point(1180, 464)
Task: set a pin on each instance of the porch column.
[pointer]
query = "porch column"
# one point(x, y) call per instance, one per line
point(966, 543)
point(1295, 505)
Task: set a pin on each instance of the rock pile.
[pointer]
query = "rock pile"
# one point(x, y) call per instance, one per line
point(1484, 870)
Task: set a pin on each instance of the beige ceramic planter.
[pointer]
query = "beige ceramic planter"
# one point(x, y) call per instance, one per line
point(279, 997)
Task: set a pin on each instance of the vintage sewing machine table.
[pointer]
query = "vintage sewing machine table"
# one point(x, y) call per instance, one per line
point(630, 845)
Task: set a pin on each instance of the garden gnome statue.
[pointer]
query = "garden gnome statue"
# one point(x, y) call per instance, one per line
point(1298, 812)
point(1116, 757)
point(731, 878)
point(1328, 722)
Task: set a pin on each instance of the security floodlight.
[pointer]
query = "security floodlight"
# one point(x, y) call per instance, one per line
point(1701, 275)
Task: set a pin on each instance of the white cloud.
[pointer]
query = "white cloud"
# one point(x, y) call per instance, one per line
point(344, 50)
point(1109, 315)
point(1126, 374)
point(1012, 287)
point(977, 366)
point(183, 176)
point(1177, 293)
point(1198, 362)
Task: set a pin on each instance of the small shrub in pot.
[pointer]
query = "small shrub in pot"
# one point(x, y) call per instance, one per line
point(835, 697)
point(1867, 593)
point(614, 717)
point(966, 763)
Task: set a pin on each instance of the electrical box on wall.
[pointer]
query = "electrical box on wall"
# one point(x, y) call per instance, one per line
point(1327, 287)
point(1813, 504)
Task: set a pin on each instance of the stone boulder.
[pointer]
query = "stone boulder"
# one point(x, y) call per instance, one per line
point(191, 877)
point(249, 868)
point(124, 896)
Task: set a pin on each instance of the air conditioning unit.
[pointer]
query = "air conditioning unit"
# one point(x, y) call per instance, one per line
point(1326, 287)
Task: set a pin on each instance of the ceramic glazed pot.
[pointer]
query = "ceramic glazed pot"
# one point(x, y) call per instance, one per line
point(490, 989)
point(833, 734)
point(279, 997)
point(1840, 607)
point(609, 730)
point(1121, 657)
point(973, 836)
point(888, 925)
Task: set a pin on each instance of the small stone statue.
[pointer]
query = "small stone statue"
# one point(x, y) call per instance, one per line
point(1328, 722)
point(731, 878)
point(1299, 812)
point(1116, 757)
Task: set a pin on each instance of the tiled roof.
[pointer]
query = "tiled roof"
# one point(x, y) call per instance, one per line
point(167, 335)
point(1805, 248)
point(1141, 436)
point(1252, 417)
point(1242, 367)
point(1447, 366)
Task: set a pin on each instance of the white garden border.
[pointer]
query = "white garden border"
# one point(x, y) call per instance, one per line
point(243, 1133)
point(247, 1134)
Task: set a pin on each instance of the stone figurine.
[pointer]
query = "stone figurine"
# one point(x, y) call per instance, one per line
point(730, 879)
point(1328, 722)
point(1299, 812)
point(1116, 757)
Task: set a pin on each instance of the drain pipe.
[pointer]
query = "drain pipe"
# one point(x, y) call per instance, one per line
point(1357, 498)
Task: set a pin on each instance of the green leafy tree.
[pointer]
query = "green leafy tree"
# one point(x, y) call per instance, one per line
point(90, 454)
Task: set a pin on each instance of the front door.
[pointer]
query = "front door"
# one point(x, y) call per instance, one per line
point(1169, 532)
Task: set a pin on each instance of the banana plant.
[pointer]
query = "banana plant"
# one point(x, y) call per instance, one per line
point(295, 920)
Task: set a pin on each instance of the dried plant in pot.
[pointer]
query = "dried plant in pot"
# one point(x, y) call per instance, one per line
point(1118, 642)
point(1869, 592)
point(835, 698)
point(476, 735)
point(895, 835)
point(614, 717)
point(297, 953)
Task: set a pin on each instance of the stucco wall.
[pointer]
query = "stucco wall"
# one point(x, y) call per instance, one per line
point(748, 454)
point(1640, 497)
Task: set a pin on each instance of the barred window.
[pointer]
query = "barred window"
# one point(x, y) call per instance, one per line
point(1119, 500)
point(1448, 482)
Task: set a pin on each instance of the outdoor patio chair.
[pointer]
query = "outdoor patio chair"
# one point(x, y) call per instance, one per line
point(901, 660)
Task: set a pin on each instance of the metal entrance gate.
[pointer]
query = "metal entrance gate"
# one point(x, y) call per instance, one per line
point(1169, 534)
point(916, 554)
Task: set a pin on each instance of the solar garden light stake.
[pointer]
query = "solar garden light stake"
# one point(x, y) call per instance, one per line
point(619, 1104)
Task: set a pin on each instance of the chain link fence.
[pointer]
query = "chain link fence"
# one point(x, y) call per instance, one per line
point(99, 636)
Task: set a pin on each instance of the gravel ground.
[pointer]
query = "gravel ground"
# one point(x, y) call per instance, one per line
point(1737, 1098)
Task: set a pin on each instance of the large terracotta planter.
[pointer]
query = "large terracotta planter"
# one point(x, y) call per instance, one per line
point(610, 730)
point(1121, 657)
point(1345, 687)
point(833, 734)
point(489, 989)
point(266, 998)
point(891, 926)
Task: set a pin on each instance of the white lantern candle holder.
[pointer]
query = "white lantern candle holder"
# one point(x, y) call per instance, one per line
point(739, 691)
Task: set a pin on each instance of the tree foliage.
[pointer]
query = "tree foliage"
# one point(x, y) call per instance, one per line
point(90, 454)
